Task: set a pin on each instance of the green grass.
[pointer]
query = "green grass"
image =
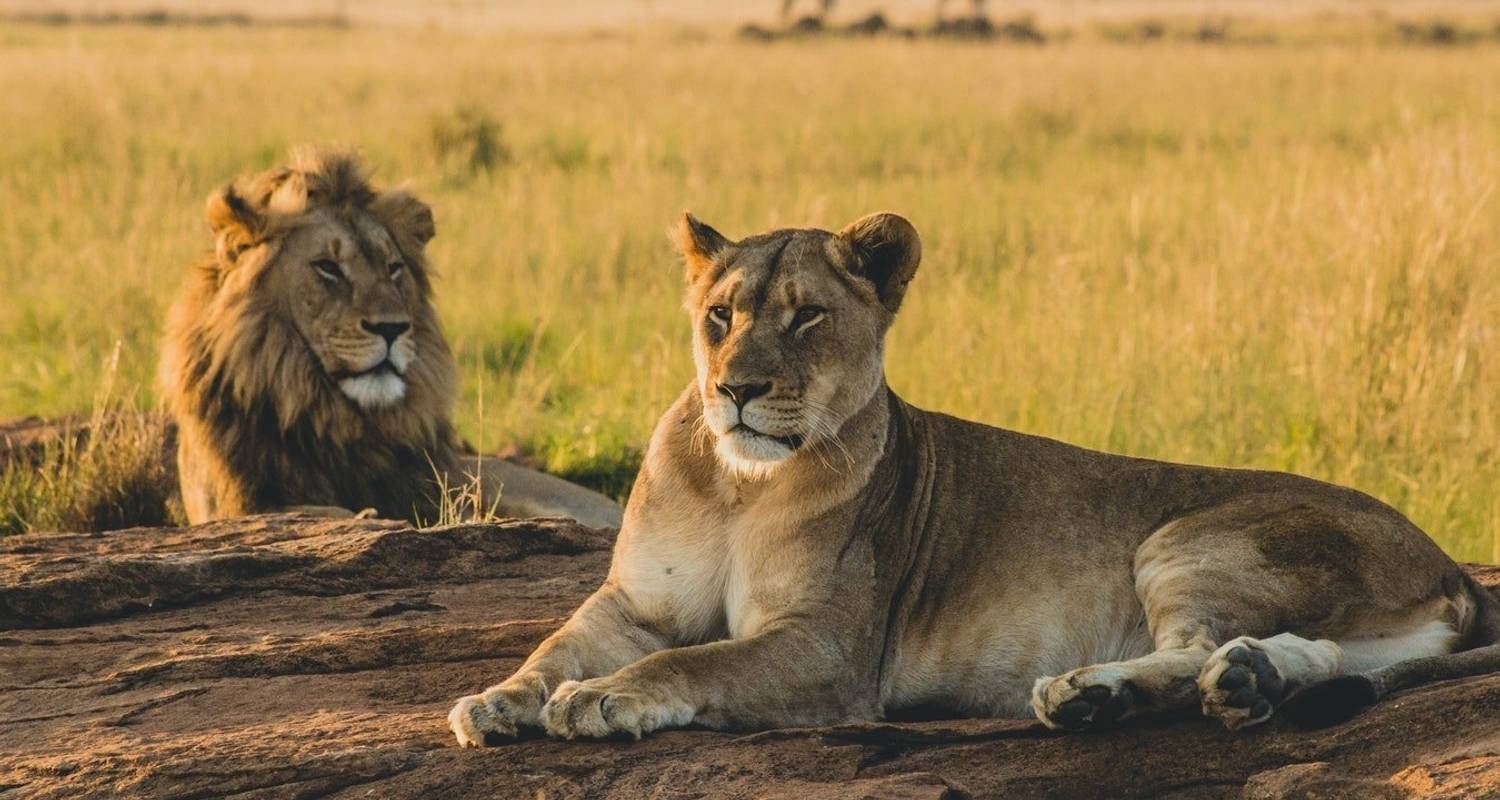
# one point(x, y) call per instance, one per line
point(1271, 256)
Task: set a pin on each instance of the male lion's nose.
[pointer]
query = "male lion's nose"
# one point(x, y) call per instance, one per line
point(389, 331)
point(742, 393)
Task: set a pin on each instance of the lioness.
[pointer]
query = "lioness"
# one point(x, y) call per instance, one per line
point(802, 547)
point(305, 366)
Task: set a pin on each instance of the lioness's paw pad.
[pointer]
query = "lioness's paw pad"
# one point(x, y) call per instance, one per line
point(1240, 685)
point(1082, 699)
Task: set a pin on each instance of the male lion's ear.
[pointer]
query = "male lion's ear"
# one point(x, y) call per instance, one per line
point(887, 250)
point(408, 219)
point(236, 224)
point(698, 244)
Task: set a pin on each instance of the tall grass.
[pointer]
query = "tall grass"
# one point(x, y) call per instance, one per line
point(1280, 257)
point(106, 471)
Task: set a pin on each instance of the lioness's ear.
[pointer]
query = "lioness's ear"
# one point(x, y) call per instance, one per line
point(236, 224)
point(698, 244)
point(887, 250)
point(407, 218)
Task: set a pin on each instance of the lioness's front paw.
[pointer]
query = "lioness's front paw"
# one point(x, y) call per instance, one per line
point(497, 713)
point(471, 718)
point(1083, 698)
point(1240, 684)
point(603, 707)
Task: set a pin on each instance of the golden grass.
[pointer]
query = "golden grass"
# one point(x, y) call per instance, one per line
point(1317, 18)
point(463, 501)
point(1281, 257)
point(105, 472)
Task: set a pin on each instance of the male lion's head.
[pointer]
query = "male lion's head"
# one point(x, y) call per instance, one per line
point(788, 330)
point(315, 306)
point(314, 246)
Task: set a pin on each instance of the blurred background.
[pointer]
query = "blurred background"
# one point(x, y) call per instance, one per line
point(1238, 233)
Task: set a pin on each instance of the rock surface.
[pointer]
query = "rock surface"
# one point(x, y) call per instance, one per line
point(293, 657)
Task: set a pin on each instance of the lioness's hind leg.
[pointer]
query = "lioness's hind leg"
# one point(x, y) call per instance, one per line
point(1245, 680)
point(1203, 580)
point(1276, 581)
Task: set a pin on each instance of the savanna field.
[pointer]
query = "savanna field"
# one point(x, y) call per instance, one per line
point(1281, 254)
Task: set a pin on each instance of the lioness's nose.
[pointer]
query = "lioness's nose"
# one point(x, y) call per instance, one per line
point(742, 393)
point(389, 331)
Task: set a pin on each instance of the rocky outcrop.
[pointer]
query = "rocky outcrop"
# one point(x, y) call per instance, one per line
point(295, 657)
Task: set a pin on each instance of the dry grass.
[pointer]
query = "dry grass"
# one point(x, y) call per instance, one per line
point(1280, 257)
point(110, 472)
point(463, 501)
point(1296, 18)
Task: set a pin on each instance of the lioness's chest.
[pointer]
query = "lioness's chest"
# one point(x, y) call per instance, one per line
point(711, 577)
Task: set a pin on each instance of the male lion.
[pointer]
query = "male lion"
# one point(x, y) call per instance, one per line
point(305, 366)
point(802, 547)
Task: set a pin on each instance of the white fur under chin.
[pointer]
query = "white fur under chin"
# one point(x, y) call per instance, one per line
point(402, 353)
point(750, 456)
point(376, 390)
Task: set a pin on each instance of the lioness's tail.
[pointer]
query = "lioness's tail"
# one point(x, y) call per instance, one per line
point(1340, 698)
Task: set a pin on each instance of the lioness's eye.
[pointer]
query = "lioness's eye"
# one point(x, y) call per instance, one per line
point(328, 269)
point(396, 268)
point(720, 313)
point(807, 315)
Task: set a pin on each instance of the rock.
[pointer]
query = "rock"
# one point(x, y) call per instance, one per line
point(287, 657)
point(142, 488)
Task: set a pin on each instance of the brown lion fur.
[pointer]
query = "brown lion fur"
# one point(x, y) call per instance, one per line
point(804, 548)
point(263, 422)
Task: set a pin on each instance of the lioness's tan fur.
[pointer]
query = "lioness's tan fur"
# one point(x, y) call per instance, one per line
point(803, 547)
point(304, 362)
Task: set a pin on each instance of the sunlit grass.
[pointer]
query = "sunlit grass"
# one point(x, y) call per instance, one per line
point(105, 471)
point(1280, 257)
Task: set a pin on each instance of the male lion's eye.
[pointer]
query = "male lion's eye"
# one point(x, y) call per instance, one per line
point(328, 269)
point(396, 268)
point(720, 313)
point(807, 315)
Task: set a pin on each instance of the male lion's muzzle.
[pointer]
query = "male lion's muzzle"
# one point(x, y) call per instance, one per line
point(375, 375)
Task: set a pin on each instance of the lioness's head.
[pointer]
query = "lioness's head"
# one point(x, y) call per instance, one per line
point(788, 330)
point(332, 270)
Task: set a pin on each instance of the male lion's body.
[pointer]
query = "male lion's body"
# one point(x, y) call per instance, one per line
point(305, 365)
point(804, 547)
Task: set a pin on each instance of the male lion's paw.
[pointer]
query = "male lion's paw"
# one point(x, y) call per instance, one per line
point(497, 714)
point(1083, 698)
point(1240, 685)
point(605, 706)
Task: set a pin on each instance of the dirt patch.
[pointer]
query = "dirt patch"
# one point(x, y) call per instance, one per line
point(293, 657)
